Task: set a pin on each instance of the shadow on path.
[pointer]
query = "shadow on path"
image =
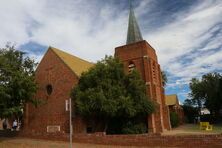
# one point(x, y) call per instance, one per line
point(8, 133)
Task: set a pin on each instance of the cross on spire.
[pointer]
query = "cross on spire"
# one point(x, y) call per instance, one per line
point(134, 34)
point(130, 3)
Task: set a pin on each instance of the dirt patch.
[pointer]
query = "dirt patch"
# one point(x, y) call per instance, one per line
point(32, 143)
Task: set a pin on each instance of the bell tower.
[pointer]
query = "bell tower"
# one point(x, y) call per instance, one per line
point(138, 54)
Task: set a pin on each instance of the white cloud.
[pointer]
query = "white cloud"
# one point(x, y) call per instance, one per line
point(90, 33)
point(91, 30)
point(187, 32)
point(185, 36)
point(12, 26)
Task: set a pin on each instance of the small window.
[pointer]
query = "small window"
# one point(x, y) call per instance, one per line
point(49, 89)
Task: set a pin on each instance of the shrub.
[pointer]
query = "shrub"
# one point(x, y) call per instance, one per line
point(132, 128)
point(136, 125)
point(174, 119)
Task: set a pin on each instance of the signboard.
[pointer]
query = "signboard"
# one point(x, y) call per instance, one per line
point(53, 129)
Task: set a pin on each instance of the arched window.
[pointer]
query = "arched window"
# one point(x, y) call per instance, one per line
point(131, 66)
point(49, 89)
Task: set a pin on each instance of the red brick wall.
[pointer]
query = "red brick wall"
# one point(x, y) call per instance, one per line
point(145, 59)
point(52, 71)
point(198, 141)
point(146, 140)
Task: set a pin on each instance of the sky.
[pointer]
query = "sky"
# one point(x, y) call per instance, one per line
point(186, 34)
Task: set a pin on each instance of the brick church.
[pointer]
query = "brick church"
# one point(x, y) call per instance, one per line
point(58, 72)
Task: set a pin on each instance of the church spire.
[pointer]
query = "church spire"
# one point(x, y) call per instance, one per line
point(134, 34)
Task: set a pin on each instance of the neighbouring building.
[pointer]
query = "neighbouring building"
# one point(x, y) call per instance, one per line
point(172, 102)
point(59, 72)
point(204, 111)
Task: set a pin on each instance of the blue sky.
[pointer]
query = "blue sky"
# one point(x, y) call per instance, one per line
point(187, 34)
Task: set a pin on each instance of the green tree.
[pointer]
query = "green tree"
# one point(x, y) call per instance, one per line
point(197, 93)
point(212, 92)
point(106, 92)
point(207, 92)
point(164, 78)
point(17, 84)
point(190, 111)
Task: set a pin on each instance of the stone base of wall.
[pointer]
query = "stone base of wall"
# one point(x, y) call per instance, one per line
point(149, 140)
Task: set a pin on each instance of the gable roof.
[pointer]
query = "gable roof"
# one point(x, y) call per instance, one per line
point(77, 65)
point(172, 100)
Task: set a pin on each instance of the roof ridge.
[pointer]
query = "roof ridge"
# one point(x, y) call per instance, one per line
point(76, 64)
point(53, 48)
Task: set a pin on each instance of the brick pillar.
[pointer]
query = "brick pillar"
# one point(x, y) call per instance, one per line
point(151, 124)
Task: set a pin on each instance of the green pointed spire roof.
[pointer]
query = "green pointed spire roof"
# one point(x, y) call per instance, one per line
point(134, 34)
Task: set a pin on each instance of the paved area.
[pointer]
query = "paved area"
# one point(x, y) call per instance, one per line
point(31, 143)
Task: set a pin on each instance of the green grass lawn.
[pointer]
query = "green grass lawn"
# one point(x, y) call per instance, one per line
point(217, 128)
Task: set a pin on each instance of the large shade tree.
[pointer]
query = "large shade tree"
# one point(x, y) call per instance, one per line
point(106, 92)
point(17, 84)
point(190, 111)
point(207, 92)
